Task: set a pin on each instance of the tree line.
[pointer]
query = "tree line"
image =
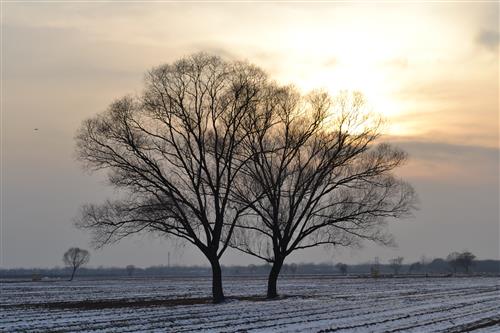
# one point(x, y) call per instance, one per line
point(436, 266)
point(217, 154)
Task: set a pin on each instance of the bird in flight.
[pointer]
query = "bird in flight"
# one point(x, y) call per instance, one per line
point(36, 129)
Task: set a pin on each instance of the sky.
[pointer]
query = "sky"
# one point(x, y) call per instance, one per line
point(430, 68)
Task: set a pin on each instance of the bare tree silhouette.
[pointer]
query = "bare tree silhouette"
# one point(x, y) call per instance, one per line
point(395, 264)
point(466, 260)
point(130, 270)
point(175, 151)
point(452, 260)
point(316, 177)
point(342, 268)
point(415, 267)
point(75, 258)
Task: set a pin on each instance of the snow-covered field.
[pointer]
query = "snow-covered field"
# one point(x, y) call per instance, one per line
point(309, 304)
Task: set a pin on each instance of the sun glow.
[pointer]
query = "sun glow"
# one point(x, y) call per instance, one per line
point(366, 78)
point(353, 61)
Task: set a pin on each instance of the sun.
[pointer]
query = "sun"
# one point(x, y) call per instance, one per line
point(367, 78)
point(354, 59)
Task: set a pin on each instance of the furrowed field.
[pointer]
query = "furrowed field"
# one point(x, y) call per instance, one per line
point(308, 304)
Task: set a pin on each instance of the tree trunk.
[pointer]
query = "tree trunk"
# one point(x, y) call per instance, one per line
point(272, 290)
point(72, 274)
point(217, 291)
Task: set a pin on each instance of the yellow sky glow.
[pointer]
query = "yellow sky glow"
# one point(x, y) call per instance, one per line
point(419, 65)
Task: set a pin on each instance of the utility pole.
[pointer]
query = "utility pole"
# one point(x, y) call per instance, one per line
point(168, 262)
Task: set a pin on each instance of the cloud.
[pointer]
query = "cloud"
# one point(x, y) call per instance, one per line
point(428, 149)
point(433, 160)
point(490, 39)
point(65, 53)
point(331, 62)
point(215, 49)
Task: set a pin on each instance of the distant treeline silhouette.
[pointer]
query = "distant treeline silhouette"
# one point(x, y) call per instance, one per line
point(436, 266)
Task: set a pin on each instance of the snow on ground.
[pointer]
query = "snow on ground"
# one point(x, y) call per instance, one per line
point(310, 304)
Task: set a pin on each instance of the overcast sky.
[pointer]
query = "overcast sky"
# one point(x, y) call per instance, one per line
point(432, 69)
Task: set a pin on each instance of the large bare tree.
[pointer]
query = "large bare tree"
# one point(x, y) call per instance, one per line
point(316, 176)
point(175, 152)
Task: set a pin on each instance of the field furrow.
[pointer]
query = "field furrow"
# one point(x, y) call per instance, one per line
point(313, 304)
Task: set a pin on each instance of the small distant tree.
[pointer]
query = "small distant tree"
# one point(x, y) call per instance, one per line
point(375, 268)
point(452, 260)
point(396, 264)
point(75, 258)
point(415, 267)
point(424, 262)
point(342, 268)
point(252, 268)
point(466, 260)
point(130, 270)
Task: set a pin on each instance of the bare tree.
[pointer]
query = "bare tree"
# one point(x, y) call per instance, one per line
point(75, 258)
point(175, 152)
point(466, 260)
point(452, 260)
point(424, 261)
point(316, 177)
point(342, 268)
point(395, 264)
point(130, 269)
point(252, 269)
point(415, 267)
point(375, 268)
